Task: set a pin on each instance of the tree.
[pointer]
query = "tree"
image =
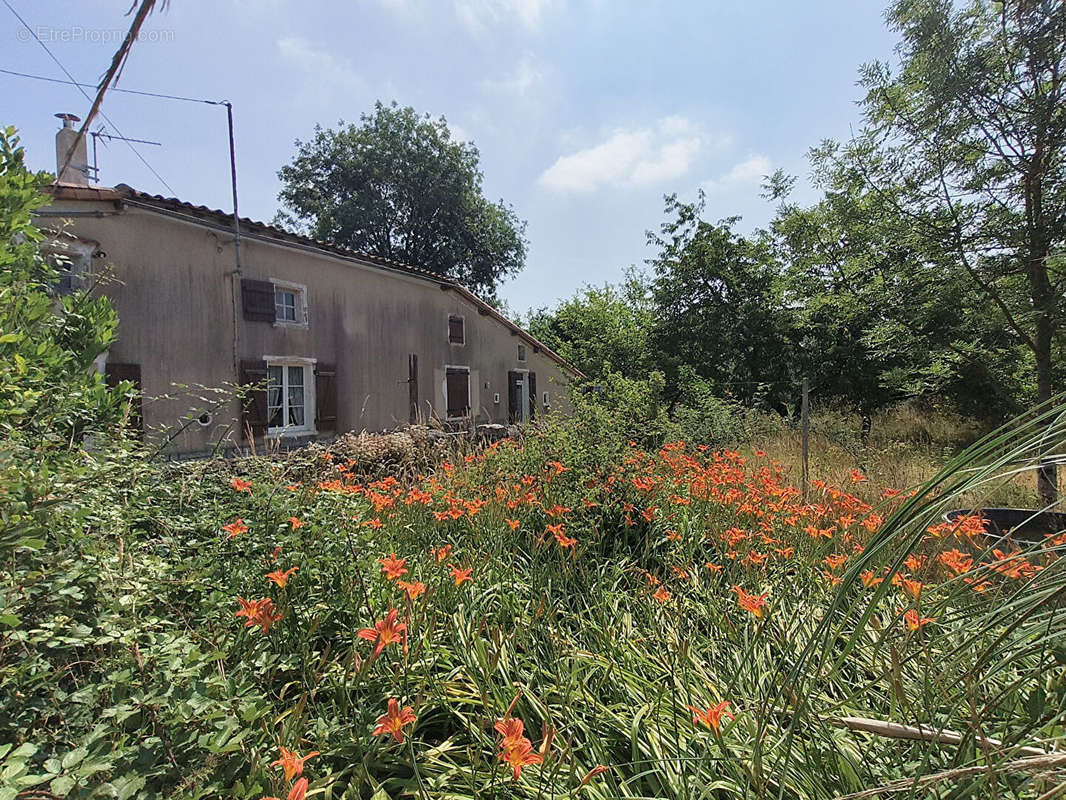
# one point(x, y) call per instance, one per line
point(874, 322)
point(601, 330)
point(397, 186)
point(968, 140)
point(718, 307)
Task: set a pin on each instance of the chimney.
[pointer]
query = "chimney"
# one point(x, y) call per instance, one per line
point(77, 171)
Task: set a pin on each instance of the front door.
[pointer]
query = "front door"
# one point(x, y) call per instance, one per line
point(517, 396)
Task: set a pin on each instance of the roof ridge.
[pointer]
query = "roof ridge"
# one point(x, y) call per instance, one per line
point(124, 191)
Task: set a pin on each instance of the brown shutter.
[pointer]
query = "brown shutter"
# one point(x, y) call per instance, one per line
point(254, 416)
point(258, 300)
point(114, 374)
point(326, 397)
point(458, 383)
point(532, 394)
point(412, 387)
point(513, 395)
point(456, 332)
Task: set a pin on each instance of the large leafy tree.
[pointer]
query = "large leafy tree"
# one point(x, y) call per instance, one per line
point(719, 307)
point(397, 186)
point(967, 138)
point(602, 329)
point(875, 323)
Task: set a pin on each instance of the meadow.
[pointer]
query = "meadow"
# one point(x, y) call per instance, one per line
point(568, 615)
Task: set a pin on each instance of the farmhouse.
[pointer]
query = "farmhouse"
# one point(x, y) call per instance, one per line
point(324, 339)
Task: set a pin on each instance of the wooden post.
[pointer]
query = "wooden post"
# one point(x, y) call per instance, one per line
point(805, 427)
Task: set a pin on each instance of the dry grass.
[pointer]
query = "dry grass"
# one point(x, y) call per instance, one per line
point(907, 446)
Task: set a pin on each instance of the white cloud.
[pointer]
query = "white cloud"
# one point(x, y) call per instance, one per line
point(744, 173)
point(459, 133)
point(313, 59)
point(629, 158)
point(526, 76)
point(478, 16)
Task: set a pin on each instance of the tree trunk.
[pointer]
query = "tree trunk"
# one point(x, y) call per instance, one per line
point(1043, 299)
point(1047, 484)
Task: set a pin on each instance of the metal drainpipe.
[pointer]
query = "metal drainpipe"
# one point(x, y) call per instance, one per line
point(236, 276)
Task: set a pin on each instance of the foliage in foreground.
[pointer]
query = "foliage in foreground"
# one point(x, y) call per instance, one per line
point(679, 617)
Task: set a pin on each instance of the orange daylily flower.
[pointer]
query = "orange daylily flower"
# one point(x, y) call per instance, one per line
point(393, 567)
point(461, 575)
point(241, 486)
point(235, 528)
point(295, 523)
point(512, 523)
point(916, 622)
point(562, 538)
point(414, 590)
point(912, 587)
point(374, 523)
point(292, 762)
point(754, 604)
point(385, 632)
point(258, 612)
point(713, 568)
point(275, 554)
point(516, 749)
point(520, 756)
point(869, 580)
point(835, 561)
point(442, 553)
point(711, 717)
point(662, 595)
point(393, 721)
point(297, 792)
point(511, 729)
point(281, 578)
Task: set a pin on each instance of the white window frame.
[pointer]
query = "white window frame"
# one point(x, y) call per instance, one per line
point(300, 292)
point(308, 365)
point(448, 329)
point(469, 392)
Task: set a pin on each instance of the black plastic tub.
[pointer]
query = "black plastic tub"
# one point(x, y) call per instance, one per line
point(1023, 525)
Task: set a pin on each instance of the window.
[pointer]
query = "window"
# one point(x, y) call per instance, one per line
point(456, 329)
point(290, 304)
point(522, 353)
point(284, 305)
point(457, 392)
point(290, 407)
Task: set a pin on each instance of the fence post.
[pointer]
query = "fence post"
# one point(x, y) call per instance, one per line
point(805, 427)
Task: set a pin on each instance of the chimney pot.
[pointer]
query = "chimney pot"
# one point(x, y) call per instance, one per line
point(77, 170)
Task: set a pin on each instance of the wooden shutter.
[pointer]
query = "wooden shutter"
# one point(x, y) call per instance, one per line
point(513, 395)
point(114, 374)
point(532, 378)
point(458, 384)
point(258, 300)
point(456, 332)
point(326, 397)
point(412, 388)
point(254, 411)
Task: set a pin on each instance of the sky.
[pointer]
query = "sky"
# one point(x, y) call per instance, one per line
point(585, 112)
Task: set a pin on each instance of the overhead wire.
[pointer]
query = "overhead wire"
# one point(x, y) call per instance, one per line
point(80, 88)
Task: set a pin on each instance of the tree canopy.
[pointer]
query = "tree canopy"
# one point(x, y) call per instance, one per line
point(398, 186)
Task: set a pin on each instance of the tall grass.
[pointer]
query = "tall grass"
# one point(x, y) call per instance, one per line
point(130, 676)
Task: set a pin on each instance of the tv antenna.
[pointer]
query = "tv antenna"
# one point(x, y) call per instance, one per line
point(110, 137)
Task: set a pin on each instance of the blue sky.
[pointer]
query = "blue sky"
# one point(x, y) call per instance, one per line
point(586, 112)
